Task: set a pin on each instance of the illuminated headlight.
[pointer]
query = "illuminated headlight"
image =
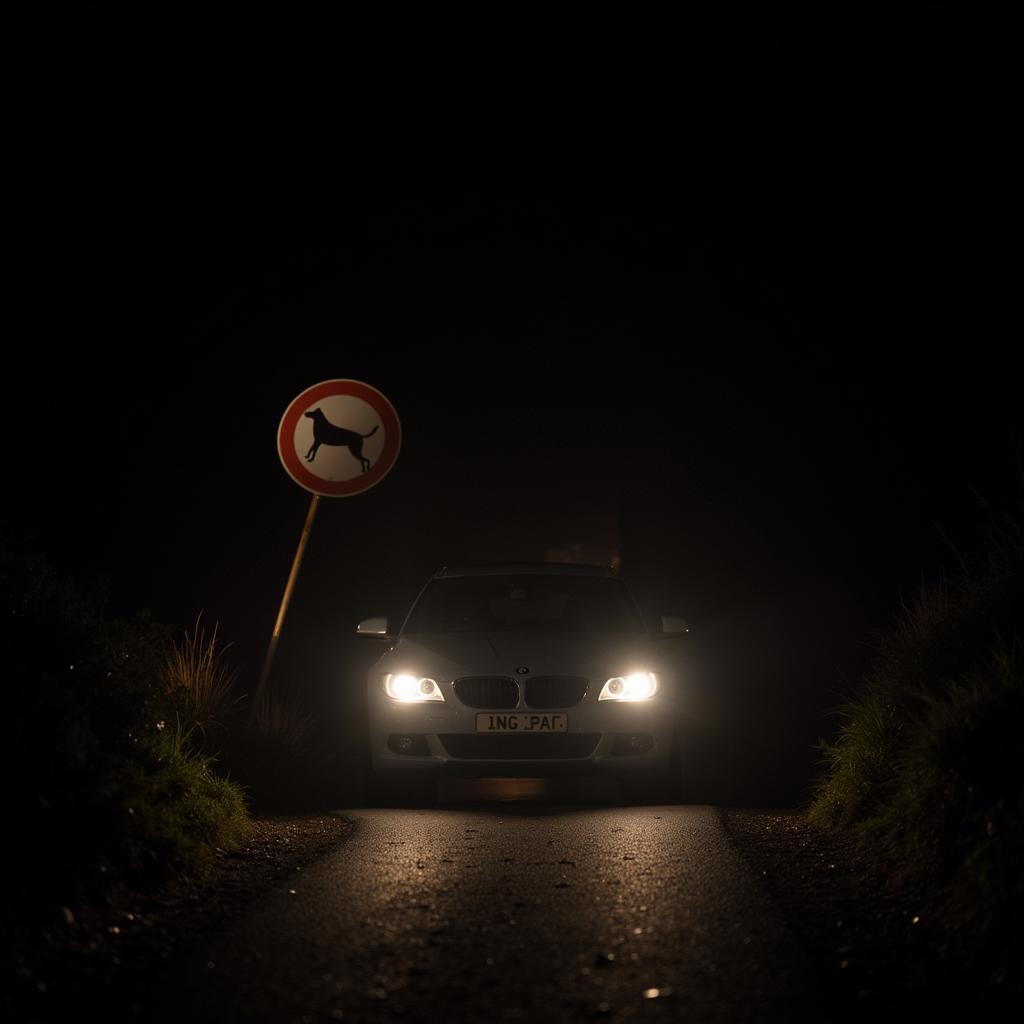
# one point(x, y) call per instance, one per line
point(638, 686)
point(411, 689)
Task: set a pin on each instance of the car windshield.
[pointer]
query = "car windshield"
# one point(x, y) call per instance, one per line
point(525, 602)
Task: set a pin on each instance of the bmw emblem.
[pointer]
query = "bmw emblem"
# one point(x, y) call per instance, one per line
point(522, 670)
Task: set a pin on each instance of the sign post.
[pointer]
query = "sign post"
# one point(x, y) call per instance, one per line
point(286, 599)
point(336, 439)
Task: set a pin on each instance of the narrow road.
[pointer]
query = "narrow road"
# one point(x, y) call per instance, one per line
point(513, 913)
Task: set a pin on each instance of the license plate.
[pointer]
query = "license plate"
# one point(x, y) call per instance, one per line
point(522, 722)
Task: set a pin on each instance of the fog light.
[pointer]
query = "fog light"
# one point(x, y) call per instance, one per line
point(632, 743)
point(409, 745)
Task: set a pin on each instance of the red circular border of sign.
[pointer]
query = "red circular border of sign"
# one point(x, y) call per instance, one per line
point(339, 488)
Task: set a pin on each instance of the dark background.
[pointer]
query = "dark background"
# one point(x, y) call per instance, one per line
point(728, 304)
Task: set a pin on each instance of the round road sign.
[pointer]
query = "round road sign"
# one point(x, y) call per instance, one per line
point(339, 438)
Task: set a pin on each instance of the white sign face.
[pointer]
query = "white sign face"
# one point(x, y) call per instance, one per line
point(334, 461)
point(339, 438)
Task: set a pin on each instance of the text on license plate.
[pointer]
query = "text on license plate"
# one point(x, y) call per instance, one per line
point(522, 722)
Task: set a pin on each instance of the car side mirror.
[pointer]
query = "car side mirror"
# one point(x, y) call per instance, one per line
point(375, 628)
point(673, 626)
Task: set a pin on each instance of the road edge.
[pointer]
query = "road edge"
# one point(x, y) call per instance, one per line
point(100, 956)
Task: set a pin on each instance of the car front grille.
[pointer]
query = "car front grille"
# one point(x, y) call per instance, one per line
point(491, 692)
point(555, 691)
point(538, 747)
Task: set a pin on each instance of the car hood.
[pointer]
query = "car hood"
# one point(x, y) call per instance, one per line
point(450, 655)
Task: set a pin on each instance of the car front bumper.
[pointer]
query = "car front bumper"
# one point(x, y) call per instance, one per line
point(601, 735)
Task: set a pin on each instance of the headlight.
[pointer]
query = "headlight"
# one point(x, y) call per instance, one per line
point(411, 689)
point(638, 686)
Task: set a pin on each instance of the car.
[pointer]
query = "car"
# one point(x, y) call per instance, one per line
point(521, 670)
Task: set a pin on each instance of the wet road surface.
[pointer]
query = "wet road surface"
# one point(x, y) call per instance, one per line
point(508, 912)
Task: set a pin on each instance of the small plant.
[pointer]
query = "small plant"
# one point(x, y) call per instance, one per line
point(200, 683)
point(859, 763)
point(186, 810)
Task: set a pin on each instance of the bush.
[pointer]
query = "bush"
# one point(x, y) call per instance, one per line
point(101, 776)
point(960, 798)
point(926, 766)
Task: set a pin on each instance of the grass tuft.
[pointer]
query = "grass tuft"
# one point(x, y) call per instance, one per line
point(284, 725)
point(199, 682)
point(186, 811)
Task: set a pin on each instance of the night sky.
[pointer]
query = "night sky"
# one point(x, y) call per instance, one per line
point(732, 306)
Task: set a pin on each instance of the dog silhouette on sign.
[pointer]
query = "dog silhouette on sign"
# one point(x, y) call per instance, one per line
point(325, 432)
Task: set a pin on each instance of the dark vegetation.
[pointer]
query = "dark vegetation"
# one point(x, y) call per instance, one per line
point(132, 763)
point(926, 769)
point(132, 753)
point(107, 777)
point(277, 751)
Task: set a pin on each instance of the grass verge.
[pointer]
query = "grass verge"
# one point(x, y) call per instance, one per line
point(926, 768)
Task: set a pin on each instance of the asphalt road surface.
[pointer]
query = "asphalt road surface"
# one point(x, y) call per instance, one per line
point(516, 912)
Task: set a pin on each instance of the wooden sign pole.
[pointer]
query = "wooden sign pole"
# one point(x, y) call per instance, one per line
point(282, 611)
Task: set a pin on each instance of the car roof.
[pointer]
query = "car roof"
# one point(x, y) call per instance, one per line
point(533, 568)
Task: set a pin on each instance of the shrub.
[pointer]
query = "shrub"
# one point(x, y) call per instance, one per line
point(926, 765)
point(101, 779)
